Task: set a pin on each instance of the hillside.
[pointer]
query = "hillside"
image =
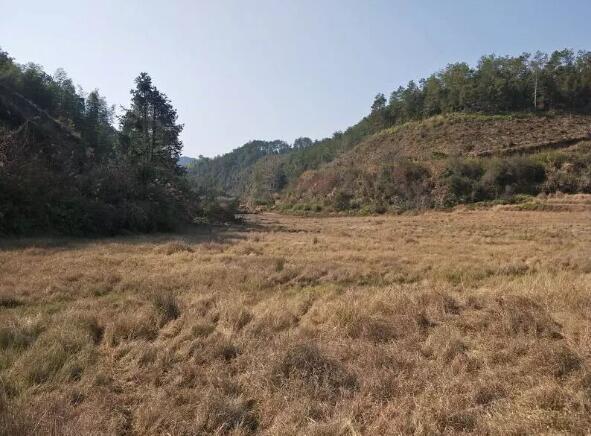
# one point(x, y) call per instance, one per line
point(415, 164)
point(232, 173)
point(66, 168)
point(471, 135)
point(405, 152)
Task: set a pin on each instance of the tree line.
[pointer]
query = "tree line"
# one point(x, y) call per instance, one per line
point(65, 166)
point(560, 81)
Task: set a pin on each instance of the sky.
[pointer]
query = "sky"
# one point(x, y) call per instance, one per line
point(239, 70)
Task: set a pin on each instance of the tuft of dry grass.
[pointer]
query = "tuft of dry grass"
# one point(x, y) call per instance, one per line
point(166, 305)
point(142, 324)
point(223, 414)
point(308, 365)
point(173, 248)
point(471, 321)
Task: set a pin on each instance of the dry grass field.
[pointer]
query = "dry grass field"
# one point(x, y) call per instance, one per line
point(474, 321)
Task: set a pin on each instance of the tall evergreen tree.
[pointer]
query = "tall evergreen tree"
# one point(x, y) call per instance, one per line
point(379, 103)
point(149, 129)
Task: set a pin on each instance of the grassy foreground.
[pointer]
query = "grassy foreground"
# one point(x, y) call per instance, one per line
point(468, 321)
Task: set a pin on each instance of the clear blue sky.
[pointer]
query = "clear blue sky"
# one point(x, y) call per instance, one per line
point(238, 70)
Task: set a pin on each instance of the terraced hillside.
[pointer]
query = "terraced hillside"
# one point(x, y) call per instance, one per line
point(474, 135)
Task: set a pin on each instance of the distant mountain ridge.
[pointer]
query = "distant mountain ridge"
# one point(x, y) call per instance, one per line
point(185, 161)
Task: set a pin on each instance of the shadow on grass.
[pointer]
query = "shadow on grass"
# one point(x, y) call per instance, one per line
point(197, 234)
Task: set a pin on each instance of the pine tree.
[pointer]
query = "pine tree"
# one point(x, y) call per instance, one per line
point(150, 132)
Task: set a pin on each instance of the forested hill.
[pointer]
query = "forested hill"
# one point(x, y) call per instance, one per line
point(230, 173)
point(65, 167)
point(505, 101)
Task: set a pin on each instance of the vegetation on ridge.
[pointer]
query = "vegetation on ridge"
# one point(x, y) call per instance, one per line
point(541, 84)
point(452, 159)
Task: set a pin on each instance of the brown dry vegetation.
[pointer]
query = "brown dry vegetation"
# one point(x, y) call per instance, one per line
point(461, 134)
point(466, 321)
point(432, 143)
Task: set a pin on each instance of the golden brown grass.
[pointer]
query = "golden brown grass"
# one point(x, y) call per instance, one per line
point(467, 321)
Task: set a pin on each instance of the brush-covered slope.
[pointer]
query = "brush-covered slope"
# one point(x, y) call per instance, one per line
point(450, 159)
point(474, 135)
point(397, 156)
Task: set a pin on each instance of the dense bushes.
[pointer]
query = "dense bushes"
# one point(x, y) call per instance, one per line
point(406, 185)
point(342, 201)
point(400, 186)
point(106, 201)
point(488, 179)
point(462, 179)
point(568, 172)
point(218, 210)
point(411, 185)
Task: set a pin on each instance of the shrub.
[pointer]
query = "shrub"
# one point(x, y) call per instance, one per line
point(568, 172)
point(462, 178)
point(517, 175)
point(220, 210)
point(405, 184)
point(371, 209)
point(342, 201)
point(488, 179)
